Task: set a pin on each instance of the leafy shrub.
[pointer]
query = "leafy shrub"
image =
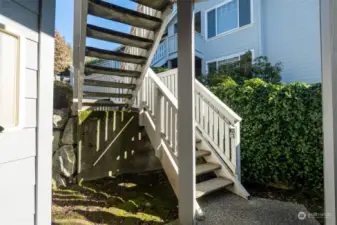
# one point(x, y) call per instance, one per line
point(244, 69)
point(63, 95)
point(159, 69)
point(281, 132)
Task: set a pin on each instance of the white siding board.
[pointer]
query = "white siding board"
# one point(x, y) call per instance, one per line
point(31, 84)
point(32, 57)
point(32, 5)
point(16, 201)
point(21, 18)
point(30, 113)
point(20, 144)
point(21, 172)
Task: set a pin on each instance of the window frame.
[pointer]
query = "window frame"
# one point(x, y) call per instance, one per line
point(217, 60)
point(216, 19)
point(21, 76)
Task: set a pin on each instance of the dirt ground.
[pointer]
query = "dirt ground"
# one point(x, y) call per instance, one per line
point(144, 199)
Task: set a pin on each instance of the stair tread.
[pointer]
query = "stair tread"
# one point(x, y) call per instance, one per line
point(202, 153)
point(118, 37)
point(157, 5)
point(90, 69)
point(112, 55)
point(95, 102)
point(123, 15)
point(106, 94)
point(206, 168)
point(212, 185)
point(110, 84)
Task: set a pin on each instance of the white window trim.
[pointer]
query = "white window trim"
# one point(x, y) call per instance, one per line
point(229, 31)
point(228, 57)
point(21, 77)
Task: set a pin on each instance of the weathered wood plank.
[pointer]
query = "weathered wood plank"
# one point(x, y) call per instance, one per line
point(108, 95)
point(91, 69)
point(123, 15)
point(118, 37)
point(112, 55)
point(99, 83)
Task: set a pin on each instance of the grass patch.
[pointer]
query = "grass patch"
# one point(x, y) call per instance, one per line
point(128, 199)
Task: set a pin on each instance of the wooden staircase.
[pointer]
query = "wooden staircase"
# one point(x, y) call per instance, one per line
point(128, 80)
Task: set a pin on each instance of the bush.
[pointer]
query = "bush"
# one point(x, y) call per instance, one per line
point(244, 69)
point(63, 95)
point(281, 132)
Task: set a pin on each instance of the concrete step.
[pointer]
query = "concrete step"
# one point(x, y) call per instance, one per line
point(91, 69)
point(206, 168)
point(99, 83)
point(123, 15)
point(112, 55)
point(202, 153)
point(157, 5)
point(107, 95)
point(209, 186)
point(118, 37)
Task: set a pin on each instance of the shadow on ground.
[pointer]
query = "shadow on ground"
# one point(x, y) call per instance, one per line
point(128, 199)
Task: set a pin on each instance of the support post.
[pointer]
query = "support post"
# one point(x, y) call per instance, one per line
point(329, 93)
point(186, 125)
point(80, 22)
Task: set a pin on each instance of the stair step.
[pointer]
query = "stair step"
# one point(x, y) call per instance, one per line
point(99, 83)
point(157, 5)
point(118, 37)
point(94, 102)
point(112, 55)
point(202, 153)
point(105, 94)
point(212, 185)
point(198, 140)
point(123, 15)
point(91, 69)
point(206, 168)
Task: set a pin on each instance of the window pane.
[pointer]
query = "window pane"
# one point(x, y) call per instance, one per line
point(227, 61)
point(211, 24)
point(245, 12)
point(175, 28)
point(197, 22)
point(8, 80)
point(212, 67)
point(227, 17)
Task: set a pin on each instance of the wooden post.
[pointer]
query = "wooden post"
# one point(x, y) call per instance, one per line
point(329, 93)
point(186, 125)
point(80, 22)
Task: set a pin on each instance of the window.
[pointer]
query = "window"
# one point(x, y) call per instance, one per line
point(214, 65)
point(229, 16)
point(175, 28)
point(9, 79)
point(197, 22)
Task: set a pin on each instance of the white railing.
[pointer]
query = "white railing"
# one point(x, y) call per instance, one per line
point(161, 52)
point(173, 44)
point(218, 123)
point(162, 108)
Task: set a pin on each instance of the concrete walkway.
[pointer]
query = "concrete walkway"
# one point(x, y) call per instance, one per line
point(223, 208)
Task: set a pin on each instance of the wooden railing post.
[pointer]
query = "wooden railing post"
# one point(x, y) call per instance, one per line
point(158, 112)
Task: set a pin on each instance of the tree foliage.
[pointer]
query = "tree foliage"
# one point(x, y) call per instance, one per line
point(281, 132)
point(244, 69)
point(62, 54)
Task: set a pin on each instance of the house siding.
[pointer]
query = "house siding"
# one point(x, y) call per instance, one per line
point(291, 35)
point(18, 155)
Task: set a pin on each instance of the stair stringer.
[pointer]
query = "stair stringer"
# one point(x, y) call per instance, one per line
point(225, 172)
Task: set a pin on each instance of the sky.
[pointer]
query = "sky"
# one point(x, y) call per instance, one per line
point(65, 21)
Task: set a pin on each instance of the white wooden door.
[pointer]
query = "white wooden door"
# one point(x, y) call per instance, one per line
point(18, 104)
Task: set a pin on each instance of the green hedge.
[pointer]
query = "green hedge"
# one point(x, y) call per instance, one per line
point(281, 132)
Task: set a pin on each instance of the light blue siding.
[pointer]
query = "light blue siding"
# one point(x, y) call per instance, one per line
point(291, 35)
